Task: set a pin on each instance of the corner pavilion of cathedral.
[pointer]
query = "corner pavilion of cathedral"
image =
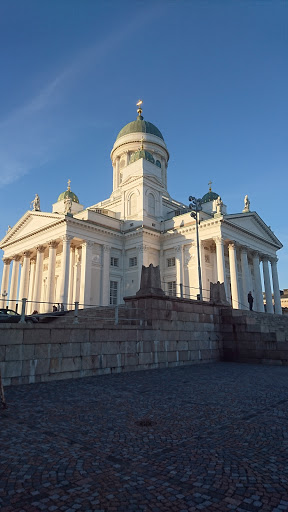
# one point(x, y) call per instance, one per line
point(94, 255)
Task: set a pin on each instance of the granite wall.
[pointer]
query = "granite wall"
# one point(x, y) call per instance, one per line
point(173, 332)
point(152, 333)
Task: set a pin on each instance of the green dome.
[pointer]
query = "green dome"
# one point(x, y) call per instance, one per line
point(210, 196)
point(140, 126)
point(142, 153)
point(70, 194)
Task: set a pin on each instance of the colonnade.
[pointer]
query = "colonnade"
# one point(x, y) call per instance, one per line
point(238, 254)
point(74, 276)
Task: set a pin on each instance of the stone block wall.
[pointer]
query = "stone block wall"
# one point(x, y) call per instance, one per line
point(173, 333)
point(254, 337)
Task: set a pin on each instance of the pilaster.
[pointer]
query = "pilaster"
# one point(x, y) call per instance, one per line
point(276, 290)
point(258, 284)
point(5, 282)
point(267, 284)
point(234, 275)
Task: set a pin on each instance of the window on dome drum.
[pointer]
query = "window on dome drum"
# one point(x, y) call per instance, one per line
point(133, 261)
point(171, 262)
point(113, 293)
point(171, 288)
point(132, 204)
point(151, 204)
point(114, 262)
point(158, 163)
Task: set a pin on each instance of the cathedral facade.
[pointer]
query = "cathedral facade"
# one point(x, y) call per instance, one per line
point(94, 255)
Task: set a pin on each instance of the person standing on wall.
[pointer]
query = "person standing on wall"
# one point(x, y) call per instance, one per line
point(250, 301)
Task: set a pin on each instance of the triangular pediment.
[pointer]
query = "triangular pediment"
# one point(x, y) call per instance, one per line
point(30, 223)
point(252, 224)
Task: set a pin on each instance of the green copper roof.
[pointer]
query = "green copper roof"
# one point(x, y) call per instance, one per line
point(210, 196)
point(142, 153)
point(140, 126)
point(70, 194)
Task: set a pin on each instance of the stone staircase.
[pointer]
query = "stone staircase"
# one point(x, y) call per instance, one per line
point(103, 316)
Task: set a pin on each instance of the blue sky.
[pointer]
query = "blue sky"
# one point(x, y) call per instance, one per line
point(213, 76)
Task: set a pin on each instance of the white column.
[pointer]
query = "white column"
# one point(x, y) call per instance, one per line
point(64, 275)
point(105, 295)
point(85, 278)
point(51, 275)
point(30, 304)
point(258, 284)
point(71, 278)
point(234, 276)
point(276, 290)
point(14, 282)
point(220, 258)
point(24, 278)
point(179, 268)
point(77, 275)
point(246, 281)
point(267, 284)
point(38, 279)
point(5, 282)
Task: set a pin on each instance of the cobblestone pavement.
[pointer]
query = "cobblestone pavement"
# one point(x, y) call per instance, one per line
point(210, 437)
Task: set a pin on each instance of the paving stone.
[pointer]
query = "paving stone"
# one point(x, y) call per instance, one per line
point(211, 437)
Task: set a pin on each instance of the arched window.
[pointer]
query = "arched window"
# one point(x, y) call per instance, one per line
point(151, 204)
point(158, 163)
point(132, 204)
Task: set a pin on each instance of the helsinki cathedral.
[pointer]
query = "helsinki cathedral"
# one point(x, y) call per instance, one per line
point(94, 255)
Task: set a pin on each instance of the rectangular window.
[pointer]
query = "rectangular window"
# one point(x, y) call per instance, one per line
point(171, 262)
point(133, 262)
point(172, 288)
point(113, 293)
point(114, 262)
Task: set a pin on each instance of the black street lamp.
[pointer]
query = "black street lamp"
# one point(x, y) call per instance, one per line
point(196, 206)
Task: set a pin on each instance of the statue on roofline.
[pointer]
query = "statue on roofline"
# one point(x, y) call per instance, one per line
point(67, 205)
point(36, 204)
point(219, 205)
point(246, 204)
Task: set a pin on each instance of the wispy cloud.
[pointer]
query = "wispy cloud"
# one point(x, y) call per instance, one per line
point(28, 135)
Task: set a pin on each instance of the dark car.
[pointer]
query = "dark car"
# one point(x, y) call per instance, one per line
point(8, 315)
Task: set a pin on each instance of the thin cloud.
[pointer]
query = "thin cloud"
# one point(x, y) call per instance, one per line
point(28, 135)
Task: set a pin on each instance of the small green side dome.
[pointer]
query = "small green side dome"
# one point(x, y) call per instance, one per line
point(141, 153)
point(140, 126)
point(66, 194)
point(210, 196)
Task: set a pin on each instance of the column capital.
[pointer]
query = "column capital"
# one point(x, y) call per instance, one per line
point(142, 248)
point(6, 261)
point(264, 257)
point(53, 244)
point(233, 245)
point(219, 240)
point(274, 260)
point(16, 257)
point(106, 248)
point(27, 254)
point(178, 248)
point(255, 254)
point(40, 248)
point(66, 238)
point(87, 243)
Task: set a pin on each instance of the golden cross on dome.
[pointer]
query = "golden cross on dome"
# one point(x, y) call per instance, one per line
point(68, 188)
point(210, 183)
point(138, 104)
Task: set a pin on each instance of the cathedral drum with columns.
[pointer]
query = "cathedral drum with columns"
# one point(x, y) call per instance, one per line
point(94, 255)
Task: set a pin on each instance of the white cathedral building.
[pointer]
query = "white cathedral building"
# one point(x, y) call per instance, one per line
point(94, 255)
